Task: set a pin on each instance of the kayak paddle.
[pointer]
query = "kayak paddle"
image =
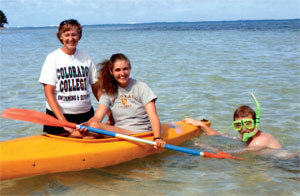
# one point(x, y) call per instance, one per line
point(45, 119)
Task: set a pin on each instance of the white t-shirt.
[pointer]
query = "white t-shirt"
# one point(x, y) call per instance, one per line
point(128, 106)
point(72, 76)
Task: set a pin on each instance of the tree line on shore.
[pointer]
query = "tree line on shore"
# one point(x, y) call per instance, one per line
point(3, 19)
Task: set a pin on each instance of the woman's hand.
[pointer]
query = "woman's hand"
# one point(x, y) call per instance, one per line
point(70, 130)
point(83, 130)
point(76, 133)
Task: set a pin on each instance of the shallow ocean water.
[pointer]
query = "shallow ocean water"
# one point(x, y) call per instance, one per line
point(198, 70)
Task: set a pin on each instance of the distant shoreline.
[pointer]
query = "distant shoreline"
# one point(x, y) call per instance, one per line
point(157, 23)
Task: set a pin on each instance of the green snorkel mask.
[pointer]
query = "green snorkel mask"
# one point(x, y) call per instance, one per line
point(249, 123)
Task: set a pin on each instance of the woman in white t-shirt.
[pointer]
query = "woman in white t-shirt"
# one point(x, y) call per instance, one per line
point(132, 103)
point(67, 75)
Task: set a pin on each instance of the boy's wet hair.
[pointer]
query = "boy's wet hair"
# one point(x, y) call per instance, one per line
point(244, 111)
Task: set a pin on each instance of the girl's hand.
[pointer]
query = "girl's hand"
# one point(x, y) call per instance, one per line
point(159, 143)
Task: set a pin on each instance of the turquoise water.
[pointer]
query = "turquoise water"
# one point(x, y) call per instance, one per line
point(197, 70)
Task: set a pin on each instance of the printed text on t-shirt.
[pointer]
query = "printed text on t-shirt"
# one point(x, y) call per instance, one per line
point(72, 78)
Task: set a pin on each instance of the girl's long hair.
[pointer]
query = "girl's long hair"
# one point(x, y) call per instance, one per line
point(106, 81)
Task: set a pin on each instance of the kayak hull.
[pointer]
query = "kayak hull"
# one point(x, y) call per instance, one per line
point(43, 154)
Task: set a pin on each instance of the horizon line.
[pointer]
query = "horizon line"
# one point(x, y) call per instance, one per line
point(141, 23)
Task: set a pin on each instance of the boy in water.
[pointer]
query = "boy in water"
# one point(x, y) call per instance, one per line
point(246, 122)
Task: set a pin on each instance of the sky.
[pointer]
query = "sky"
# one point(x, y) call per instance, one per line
point(36, 13)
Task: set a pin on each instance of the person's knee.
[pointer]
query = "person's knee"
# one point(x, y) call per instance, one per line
point(76, 134)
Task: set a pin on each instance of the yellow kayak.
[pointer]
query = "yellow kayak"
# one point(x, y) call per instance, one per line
point(43, 154)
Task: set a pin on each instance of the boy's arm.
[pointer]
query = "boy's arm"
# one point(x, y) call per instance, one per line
point(204, 127)
point(207, 147)
point(246, 150)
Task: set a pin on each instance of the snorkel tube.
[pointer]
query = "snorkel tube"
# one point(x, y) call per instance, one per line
point(246, 136)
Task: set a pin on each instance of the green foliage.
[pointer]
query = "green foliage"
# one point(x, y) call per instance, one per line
point(3, 19)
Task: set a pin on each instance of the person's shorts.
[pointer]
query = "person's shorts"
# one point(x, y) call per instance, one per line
point(75, 118)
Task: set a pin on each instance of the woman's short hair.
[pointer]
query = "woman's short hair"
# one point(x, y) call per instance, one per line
point(66, 26)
